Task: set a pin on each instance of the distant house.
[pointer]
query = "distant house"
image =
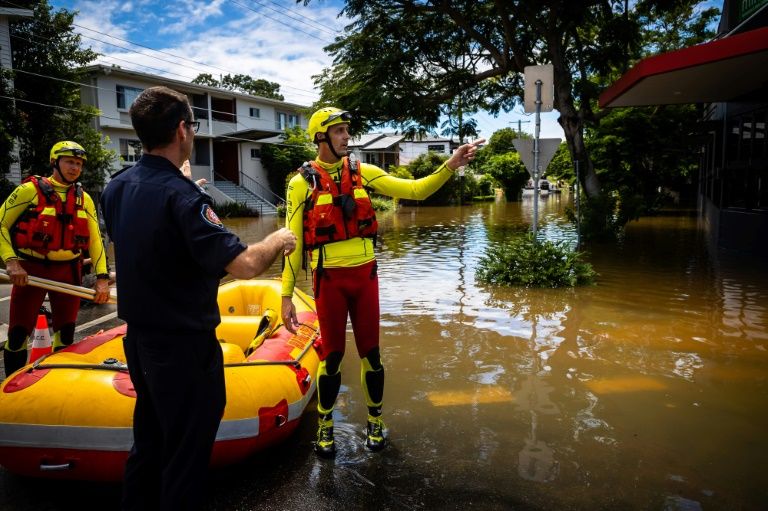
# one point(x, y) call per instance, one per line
point(386, 149)
point(380, 149)
point(412, 149)
point(233, 127)
point(6, 62)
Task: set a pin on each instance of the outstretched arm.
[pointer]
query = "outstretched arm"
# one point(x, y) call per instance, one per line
point(419, 189)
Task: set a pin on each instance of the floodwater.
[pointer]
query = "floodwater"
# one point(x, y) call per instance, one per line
point(648, 390)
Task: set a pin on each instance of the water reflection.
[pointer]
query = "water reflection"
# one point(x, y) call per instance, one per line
point(646, 391)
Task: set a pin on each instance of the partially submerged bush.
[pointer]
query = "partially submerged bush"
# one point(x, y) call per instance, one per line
point(524, 261)
point(382, 204)
point(234, 210)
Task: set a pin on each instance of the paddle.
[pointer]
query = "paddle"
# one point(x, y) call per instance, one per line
point(60, 287)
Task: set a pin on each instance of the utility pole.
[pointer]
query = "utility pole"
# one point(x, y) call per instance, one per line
point(519, 127)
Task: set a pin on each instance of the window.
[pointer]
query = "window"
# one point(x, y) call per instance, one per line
point(438, 148)
point(130, 150)
point(126, 96)
point(202, 153)
point(255, 154)
point(254, 112)
point(285, 120)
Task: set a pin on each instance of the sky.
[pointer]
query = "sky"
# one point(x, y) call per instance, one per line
point(277, 40)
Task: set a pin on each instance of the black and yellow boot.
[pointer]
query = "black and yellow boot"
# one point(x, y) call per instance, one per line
point(328, 384)
point(15, 350)
point(372, 380)
point(325, 446)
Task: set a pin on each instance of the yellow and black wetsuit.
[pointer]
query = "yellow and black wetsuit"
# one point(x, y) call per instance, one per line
point(349, 281)
point(63, 265)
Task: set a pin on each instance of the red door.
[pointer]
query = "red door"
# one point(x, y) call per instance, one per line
point(225, 161)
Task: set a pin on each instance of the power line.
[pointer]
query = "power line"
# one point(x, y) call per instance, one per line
point(284, 12)
point(162, 71)
point(110, 90)
point(273, 19)
point(206, 67)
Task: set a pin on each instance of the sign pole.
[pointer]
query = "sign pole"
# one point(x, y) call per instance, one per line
point(536, 160)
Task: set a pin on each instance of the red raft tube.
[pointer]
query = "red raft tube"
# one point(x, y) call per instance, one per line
point(70, 414)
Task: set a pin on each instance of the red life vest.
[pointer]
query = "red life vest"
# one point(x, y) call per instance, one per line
point(336, 212)
point(52, 224)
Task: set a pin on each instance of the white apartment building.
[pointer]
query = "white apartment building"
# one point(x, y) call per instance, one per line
point(233, 126)
point(6, 62)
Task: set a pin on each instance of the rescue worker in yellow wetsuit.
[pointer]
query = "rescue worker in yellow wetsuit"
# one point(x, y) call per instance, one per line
point(330, 212)
point(45, 224)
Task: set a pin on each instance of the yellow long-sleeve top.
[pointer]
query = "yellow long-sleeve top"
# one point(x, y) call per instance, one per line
point(25, 197)
point(355, 251)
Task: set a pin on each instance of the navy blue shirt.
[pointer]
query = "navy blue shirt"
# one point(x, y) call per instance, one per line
point(170, 247)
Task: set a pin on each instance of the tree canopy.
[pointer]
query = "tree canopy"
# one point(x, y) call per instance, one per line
point(242, 83)
point(47, 56)
point(401, 61)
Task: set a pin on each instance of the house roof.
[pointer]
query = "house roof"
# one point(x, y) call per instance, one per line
point(384, 142)
point(430, 140)
point(365, 139)
point(16, 13)
point(185, 86)
point(712, 72)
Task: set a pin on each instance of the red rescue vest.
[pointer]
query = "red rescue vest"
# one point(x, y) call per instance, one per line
point(52, 224)
point(336, 212)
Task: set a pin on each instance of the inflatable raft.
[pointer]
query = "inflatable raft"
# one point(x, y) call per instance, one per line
point(69, 415)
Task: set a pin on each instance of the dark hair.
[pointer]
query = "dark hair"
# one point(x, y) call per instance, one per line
point(156, 113)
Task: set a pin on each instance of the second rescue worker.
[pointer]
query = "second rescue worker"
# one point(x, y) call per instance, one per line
point(332, 216)
point(45, 225)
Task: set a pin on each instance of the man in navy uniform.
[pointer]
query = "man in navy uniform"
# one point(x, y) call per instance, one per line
point(171, 250)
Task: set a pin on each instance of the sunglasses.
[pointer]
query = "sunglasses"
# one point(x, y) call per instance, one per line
point(344, 116)
point(74, 151)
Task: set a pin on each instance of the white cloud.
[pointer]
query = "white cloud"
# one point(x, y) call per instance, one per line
point(276, 40)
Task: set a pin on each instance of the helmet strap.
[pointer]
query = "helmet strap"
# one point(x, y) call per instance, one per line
point(330, 146)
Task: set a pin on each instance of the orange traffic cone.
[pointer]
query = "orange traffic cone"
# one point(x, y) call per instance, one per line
point(41, 339)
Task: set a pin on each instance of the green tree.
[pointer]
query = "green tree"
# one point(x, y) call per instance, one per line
point(508, 170)
point(242, 83)
point(398, 62)
point(9, 127)
point(48, 109)
point(643, 151)
point(500, 160)
point(282, 160)
point(206, 79)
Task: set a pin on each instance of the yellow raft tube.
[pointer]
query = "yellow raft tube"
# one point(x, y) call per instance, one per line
point(70, 414)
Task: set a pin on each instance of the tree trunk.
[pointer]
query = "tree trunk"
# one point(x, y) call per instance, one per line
point(573, 127)
point(570, 118)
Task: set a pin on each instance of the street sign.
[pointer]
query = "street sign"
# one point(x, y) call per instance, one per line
point(546, 74)
point(547, 149)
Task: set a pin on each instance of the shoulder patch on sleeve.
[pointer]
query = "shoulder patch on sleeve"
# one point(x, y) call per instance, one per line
point(210, 216)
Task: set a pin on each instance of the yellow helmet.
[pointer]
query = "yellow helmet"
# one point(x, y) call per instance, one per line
point(325, 117)
point(67, 148)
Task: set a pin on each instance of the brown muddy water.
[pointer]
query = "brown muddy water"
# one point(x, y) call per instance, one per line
point(648, 390)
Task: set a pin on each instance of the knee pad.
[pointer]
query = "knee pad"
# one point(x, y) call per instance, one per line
point(372, 380)
point(18, 338)
point(328, 382)
point(63, 337)
point(332, 362)
point(374, 359)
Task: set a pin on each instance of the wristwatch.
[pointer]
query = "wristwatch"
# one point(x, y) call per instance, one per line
point(104, 276)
